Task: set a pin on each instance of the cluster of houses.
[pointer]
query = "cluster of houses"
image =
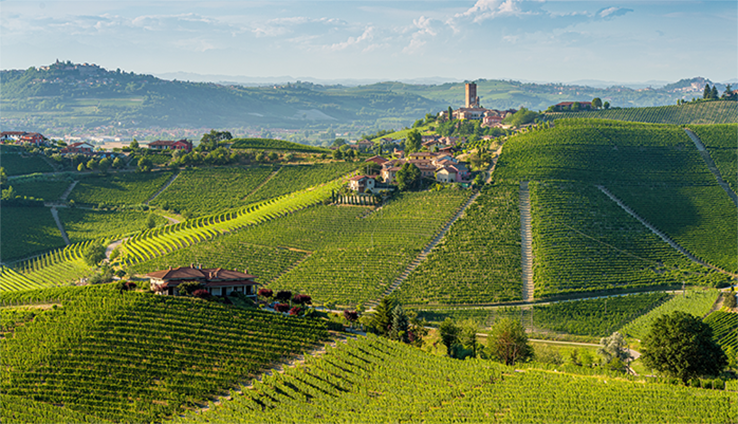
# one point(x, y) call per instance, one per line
point(441, 166)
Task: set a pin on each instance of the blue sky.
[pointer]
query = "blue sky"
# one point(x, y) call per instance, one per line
point(557, 41)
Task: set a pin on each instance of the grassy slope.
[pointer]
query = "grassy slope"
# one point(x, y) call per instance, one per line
point(716, 112)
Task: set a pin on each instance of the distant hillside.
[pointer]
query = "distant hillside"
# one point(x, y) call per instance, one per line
point(64, 96)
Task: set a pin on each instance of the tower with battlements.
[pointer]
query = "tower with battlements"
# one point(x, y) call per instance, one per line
point(472, 101)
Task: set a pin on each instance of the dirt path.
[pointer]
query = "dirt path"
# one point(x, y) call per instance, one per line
point(424, 253)
point(526, 237)
point(272, 175)
point(68, 191)
point(164, 187)
point(55, 214)
point(112, 246)
point(663, 236)
point(711, 165)
point(497, 153)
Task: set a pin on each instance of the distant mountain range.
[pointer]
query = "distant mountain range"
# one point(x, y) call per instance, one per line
point(68, 97)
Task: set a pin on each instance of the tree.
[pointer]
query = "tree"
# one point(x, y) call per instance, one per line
point(92, 164)
point(3, 177)
point(706, 92)
point(381, 318)
point(596, 103)
point(145, 164)
point(714, 93)
point(730, 300)
point(150, 222)
point(134, 144)
point(117, 163)
point(728, 94)
point(449, 334)
point(302, 299)
point(408, 177)
point(94, 254)
point(614, 350)
point(400, 324)
point(210, 141)
point(606, 105)
point(681, 345)
point(104, 164)
point(81, 167)
point(508, 341)
point(414, 141)
point(575, 107)
point(450, 113)
point(468, 336)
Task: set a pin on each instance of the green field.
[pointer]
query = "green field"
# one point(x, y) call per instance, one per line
point(82, 225)
point(135, 357)
point(26, 231)
point(724, 328)
point(198, 192)
point(479, 259)
point(119, 189)
point(374, 380)
point(715, 112)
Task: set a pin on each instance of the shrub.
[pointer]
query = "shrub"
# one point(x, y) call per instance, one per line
point(302, 299)
point(201, 293)
point(265, 293)
point(295, 311)
point(283, 295)
point(281, 307)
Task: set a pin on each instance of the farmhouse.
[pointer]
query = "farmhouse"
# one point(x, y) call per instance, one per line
point(217, 281)
point(376, 159)
point(362, 183)
point(573, 106)
point(81, 147)
point(171, 145)
point(364, 145)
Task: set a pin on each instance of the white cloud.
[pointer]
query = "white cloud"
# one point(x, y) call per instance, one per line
point(488, 9)
point(367, 35)
point(424, 29)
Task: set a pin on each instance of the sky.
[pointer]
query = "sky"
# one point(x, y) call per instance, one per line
point(542, 41)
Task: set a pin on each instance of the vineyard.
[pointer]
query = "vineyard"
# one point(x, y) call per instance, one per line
point(724, 329)
point(703, 220)
point(715, 112)
point(198, 192)
point(370, 379)
point(721, 142)
point(356, 256)
point(583, 242)
point(26, 231)
point(298, 177)
point(81, 224)
point(160, 241)
point(604, 152)
point(47, 189)
point(596, 317)
point(697, 303)
point(272, 144)
point(479, 259)
point(228, 252)
point(132, 357)
point(119, 189)
point(16, 164)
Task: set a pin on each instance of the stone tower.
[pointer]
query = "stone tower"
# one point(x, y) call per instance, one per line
point(471, 95)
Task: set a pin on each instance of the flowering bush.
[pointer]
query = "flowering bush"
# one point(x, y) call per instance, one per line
point(281, 307)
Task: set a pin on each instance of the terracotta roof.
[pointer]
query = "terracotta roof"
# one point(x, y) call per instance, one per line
point(376, 159)
point(192, 273)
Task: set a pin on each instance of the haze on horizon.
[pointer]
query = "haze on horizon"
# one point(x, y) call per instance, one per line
point(553, 41)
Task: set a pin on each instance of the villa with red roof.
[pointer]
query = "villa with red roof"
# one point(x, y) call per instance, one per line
point(217, 281)
point(171, 145)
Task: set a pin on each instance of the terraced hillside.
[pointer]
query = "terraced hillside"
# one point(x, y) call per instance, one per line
point(374, 380)
point(134, 357)
point(721, 142)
